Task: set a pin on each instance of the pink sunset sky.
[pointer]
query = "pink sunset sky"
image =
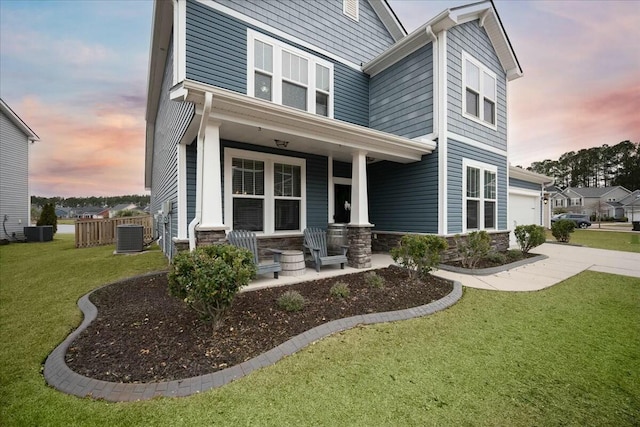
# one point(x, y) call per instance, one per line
point(76, 72)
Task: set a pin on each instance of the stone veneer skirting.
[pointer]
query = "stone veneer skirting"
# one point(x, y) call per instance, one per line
point(383, 241)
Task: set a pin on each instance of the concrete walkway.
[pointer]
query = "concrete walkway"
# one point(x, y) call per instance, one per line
point(563, 261)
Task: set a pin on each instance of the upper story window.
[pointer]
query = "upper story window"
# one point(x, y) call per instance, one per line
point(480, 195)
point(350, 8)
point(288, 76)
point(479, 95)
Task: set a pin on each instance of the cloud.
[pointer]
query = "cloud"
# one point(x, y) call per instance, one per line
point(97, 152)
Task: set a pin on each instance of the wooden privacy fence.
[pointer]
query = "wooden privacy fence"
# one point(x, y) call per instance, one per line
point(98, 232)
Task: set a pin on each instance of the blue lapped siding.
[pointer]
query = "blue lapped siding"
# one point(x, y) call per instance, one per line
point(404, 197)
point(342, 169)
point(474, 40)
point(192, 154)
point(401, 97)
point(172, 120)
point(216, 54)
point(456, 152)
point(322, 24)
point(317, 187)
point(216, 48)
point(351, 95)
point(519, 183)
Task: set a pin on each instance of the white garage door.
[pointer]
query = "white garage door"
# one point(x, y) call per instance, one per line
point(524, 209)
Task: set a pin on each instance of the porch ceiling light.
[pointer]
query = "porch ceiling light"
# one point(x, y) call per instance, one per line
point(280, 143)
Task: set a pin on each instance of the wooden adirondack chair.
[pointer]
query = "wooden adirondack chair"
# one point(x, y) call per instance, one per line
point(248, 240)
point(315, 240)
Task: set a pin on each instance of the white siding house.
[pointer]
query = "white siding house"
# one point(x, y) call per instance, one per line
point(15, 205)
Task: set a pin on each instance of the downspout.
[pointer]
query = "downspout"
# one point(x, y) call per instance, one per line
point(208, 99)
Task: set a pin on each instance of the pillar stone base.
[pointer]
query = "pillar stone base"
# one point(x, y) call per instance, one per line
point(181, 245)
point(210, 237)
point(359, 254)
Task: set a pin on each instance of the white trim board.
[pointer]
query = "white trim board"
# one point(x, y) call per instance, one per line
point(524, 192)
point(476, 144)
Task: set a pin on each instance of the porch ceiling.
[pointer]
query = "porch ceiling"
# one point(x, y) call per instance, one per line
point(254, 121)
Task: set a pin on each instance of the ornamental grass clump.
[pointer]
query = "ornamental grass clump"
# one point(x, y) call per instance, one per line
point(291, 301)
point(339, 290)
point(529, 236)
point(209, 278)
point(419, 254)
point(562, 230)
point(497, 258)
point(476, 247)
point(373, 280)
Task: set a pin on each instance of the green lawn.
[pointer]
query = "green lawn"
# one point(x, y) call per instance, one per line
point(568, 355)
point(613, 240)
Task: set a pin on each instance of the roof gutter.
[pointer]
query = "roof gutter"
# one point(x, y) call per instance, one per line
point(300, 122)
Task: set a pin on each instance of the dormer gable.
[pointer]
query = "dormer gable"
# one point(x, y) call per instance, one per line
point(483, 11)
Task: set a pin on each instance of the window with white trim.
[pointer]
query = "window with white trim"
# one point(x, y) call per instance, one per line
point(479, 98)
point(288, 76)
point(264, 193)
point(576, 201)
point(480, 201)
point(350, 8)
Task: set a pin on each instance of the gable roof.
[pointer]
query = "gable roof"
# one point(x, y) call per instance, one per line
point(552, 189)
point(593, 192)
point(389, 18)
point(24, 128)
point(525, 175)
point(484, 10)
point(122, 206)
point(631, 198)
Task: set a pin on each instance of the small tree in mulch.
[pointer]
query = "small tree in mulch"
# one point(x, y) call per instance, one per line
point(419, 254)
point(209, 278)
point(48, 217)
point(476, 247)
point(562, 230)
point(529, 236)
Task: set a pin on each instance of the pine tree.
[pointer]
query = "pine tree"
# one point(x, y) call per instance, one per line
point(48, 217)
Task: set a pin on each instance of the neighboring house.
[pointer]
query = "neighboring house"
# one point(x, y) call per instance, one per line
point(121, 207)
point(631, 206)
point(91, 212)
point(62, 212)
point(557, 200)
point(15, 197)
point(528, 199)
point(603, 201)
point(274, 119)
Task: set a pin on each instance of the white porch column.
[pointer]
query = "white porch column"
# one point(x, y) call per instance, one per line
point(211, 189)
point(359, 197)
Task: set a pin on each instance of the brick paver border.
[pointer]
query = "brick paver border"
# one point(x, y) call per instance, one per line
point(60, 376)
point(491, 270)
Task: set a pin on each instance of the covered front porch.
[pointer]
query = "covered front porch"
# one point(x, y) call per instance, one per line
point(272, 169)
point(267, 280)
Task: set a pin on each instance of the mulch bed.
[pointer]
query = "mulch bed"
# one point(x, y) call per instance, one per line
point(142, 334)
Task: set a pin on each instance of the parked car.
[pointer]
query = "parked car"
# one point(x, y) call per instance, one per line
point(581, 221)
